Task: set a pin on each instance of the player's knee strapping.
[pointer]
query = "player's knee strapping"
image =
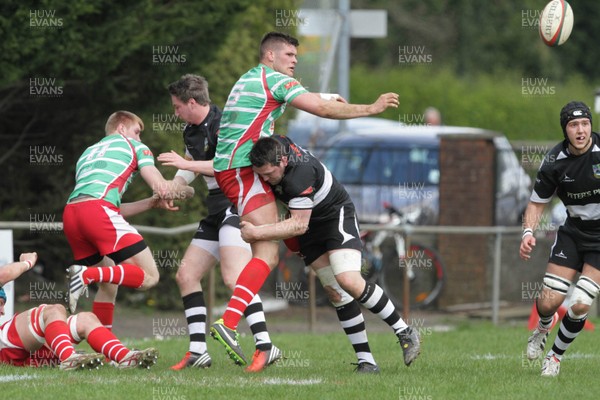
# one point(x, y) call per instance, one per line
point(557, 284)
point(327, 279)
point(345, 260)
point(36, 323)
point(72, 323)
point(585, 292)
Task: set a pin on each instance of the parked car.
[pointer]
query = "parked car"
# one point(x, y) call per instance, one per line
point(312, 132)
point(400, 165)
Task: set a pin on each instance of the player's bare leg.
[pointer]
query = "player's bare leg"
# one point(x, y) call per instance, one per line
point(585, 292)
point(265, 257)
point(556, 283)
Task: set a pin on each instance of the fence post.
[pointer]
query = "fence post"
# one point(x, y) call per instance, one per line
point(496, 278)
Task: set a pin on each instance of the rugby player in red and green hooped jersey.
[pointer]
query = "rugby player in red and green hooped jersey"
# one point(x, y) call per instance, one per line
point(93, 219)
point(257, 99)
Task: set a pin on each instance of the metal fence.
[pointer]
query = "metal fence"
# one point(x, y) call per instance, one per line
point(499, 233)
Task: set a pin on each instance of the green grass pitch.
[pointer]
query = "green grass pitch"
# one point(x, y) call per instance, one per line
point(473, 361)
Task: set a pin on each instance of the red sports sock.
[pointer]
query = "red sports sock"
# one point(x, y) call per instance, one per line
point(104, 312)
point(104, 341)
point(58, 338)
point(127, 275)
point(247, 286)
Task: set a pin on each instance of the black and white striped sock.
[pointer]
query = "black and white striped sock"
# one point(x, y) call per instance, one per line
point(568, 331)
point(353, 324)
point(376, 301)
point(195, 315)
point(255, 317)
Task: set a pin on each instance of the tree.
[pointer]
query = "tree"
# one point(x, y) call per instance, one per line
point(67, 66)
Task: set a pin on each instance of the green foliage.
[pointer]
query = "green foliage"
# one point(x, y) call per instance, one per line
point(520, 106)
point(472, 38)
point(67, 66)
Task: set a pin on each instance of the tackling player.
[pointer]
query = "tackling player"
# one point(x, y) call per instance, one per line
point(323, 219)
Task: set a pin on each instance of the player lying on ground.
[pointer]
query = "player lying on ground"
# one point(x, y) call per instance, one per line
point(44, 336)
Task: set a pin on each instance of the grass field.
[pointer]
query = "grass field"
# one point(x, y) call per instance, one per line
point(473, 361)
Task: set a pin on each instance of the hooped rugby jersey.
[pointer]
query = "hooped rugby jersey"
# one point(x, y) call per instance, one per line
point(257, 99)
point(576, 182)
point(308, 184)
point(105, 169)
point(200, 145)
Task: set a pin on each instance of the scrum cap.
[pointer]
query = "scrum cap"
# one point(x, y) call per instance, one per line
point(574, 110)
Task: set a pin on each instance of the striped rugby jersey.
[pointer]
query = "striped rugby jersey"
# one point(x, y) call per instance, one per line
point(576, 182)
point(257, 99)
point(105, 169)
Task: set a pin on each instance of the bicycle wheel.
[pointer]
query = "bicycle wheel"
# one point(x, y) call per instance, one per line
point(371, 264)
point(426, 282)
point(291, 280)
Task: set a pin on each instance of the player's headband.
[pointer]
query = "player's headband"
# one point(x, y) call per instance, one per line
point(2, 294)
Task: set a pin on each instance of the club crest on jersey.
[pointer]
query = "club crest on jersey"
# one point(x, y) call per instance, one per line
point(290, 84)
point(596, 169)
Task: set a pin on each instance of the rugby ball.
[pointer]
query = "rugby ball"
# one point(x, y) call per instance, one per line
point(556, 22)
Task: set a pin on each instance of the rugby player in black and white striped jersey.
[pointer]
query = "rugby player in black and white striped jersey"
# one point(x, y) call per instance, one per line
point(323, 218)
point(571, 171)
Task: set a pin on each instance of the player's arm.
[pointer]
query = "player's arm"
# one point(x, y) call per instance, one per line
point(172, 159)
point(12, 271)
point(295, 225)
point(136, 207)
point(163, 188)
point(531, 218)
point(339, 109)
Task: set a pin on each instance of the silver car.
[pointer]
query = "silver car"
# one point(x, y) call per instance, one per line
point(400, 165)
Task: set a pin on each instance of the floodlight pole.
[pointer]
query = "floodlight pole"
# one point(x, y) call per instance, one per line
point(344, 55)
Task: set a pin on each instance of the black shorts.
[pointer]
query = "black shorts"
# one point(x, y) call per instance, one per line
point(324, 236)
point(571, 250)
point(209, 227)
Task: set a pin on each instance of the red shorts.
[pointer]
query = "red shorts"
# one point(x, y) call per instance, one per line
point(12, 350)
point(244, 188)
point(96, 228)
point(15, 354)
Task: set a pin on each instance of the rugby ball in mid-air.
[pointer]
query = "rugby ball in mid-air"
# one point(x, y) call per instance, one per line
point(556, 22)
